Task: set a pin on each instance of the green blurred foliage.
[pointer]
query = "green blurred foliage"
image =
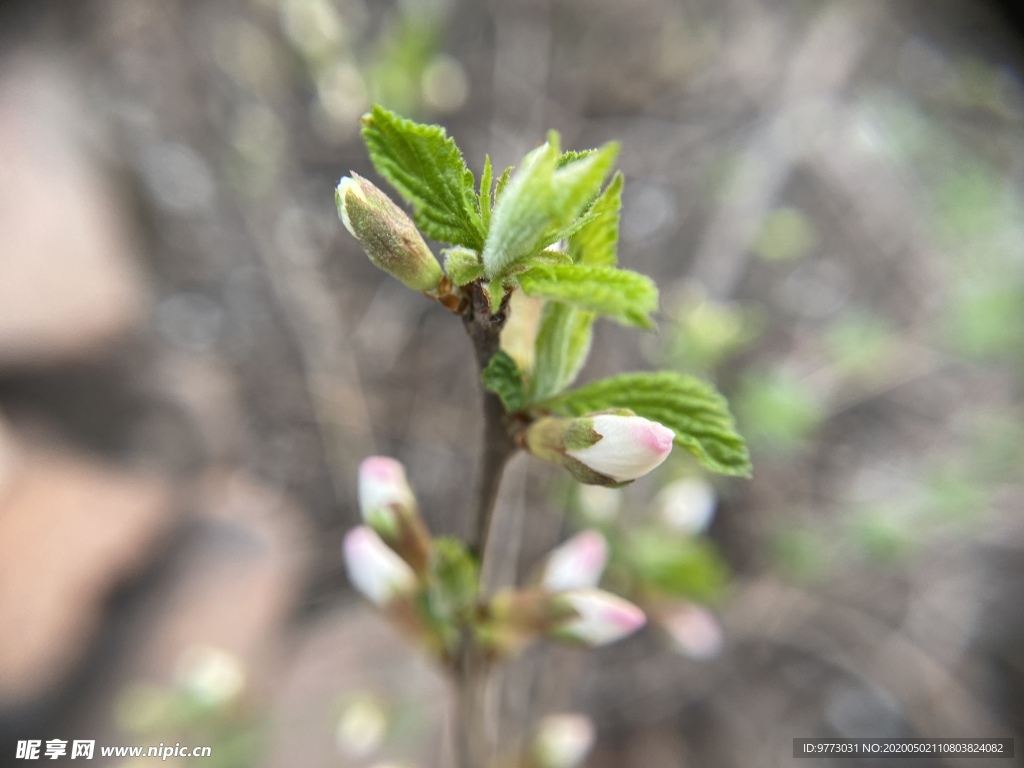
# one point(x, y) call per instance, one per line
point(157, 714)
point(675, 565)
point(777, 411)
point(702, 333)
point(786, 235)
point(859, 344)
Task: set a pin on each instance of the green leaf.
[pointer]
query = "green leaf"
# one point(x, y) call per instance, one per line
point(502, 182)
point(678, 566)
point(561, 347)
point(547, 256)
point(452, 583)
point(426, 167)
point(595, 244)
point(541, 203)
point(484, 195)
point(690, 407)
point(624, 296)
point(502, 377)
point(572, 155)
point(462, 265)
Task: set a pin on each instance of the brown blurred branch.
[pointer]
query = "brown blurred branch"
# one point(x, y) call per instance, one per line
point(474, 738)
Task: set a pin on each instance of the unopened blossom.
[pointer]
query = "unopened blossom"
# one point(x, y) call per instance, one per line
point(694, 630)
point(374, 568)
point(389, 508)
point(602, 617)
point(212, 675)
point(687, 505)
point(386, 233)
point(629, 446)
point(608, 449)
point(382, 485)
point(563, 741)
point(361, 727)
point(576, 564)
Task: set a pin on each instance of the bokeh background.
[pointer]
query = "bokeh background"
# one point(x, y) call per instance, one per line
point(194, 357)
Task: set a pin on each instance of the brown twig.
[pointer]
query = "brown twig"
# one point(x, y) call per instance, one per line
point(474, 740)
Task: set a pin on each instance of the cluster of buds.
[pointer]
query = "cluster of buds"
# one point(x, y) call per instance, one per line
point(391, 559)
point(566, 603)
point(611, 448)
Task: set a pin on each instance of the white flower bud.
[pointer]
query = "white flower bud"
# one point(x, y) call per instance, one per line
point(576, 564)
point(687, 505)
point(629, 446)
point(374, 568)
point(563, 741)
point(213, 675)
point(361, 727)
point(694, 630)
point(603, 618)
point(382, 484)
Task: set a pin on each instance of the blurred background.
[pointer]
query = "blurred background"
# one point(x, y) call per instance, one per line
point(194, 357)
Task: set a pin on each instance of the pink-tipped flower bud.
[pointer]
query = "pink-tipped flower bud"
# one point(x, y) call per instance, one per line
point(563, 741)
point(630, 446)
point(610, 449)
point(389, 507)
point(382, 486)
point(602, 617)
point(576, 564)
point(687, 505)
point(386, 233)
point(374, 568)
point(693, 629)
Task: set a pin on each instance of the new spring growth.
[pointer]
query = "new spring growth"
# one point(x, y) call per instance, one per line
point(374, 568)
point(566, 605)
point(610, 449)
point(562, 741)
point(576, 564)
point(387, 234)
point(571, 573)
point(601, 617)
point(687, 505)
point(388, 506)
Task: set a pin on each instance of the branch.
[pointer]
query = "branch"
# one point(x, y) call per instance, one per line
point(484, 330)
point(474, 740)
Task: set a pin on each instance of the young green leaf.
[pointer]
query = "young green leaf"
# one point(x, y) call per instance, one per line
point(484, 195)
point(624, 296)
point(595, 243)
point(452, 584)
point(572, 155)
point(690, 407)
point(561, 348)
point(426, 167)
point(502, 182)
point(541, 202)
point(502, 377)
point(462, 265)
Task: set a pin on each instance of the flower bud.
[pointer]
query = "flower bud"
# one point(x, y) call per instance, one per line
point(601, 617)
point(389, 507)
point(610, 449)
point(576, 564)
point(694, 630)
point(374, 568)
point(383, 487)
point(514, 618)
point(362, 726)
point(563, 741)
point(387, 234)
point(687, 505)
